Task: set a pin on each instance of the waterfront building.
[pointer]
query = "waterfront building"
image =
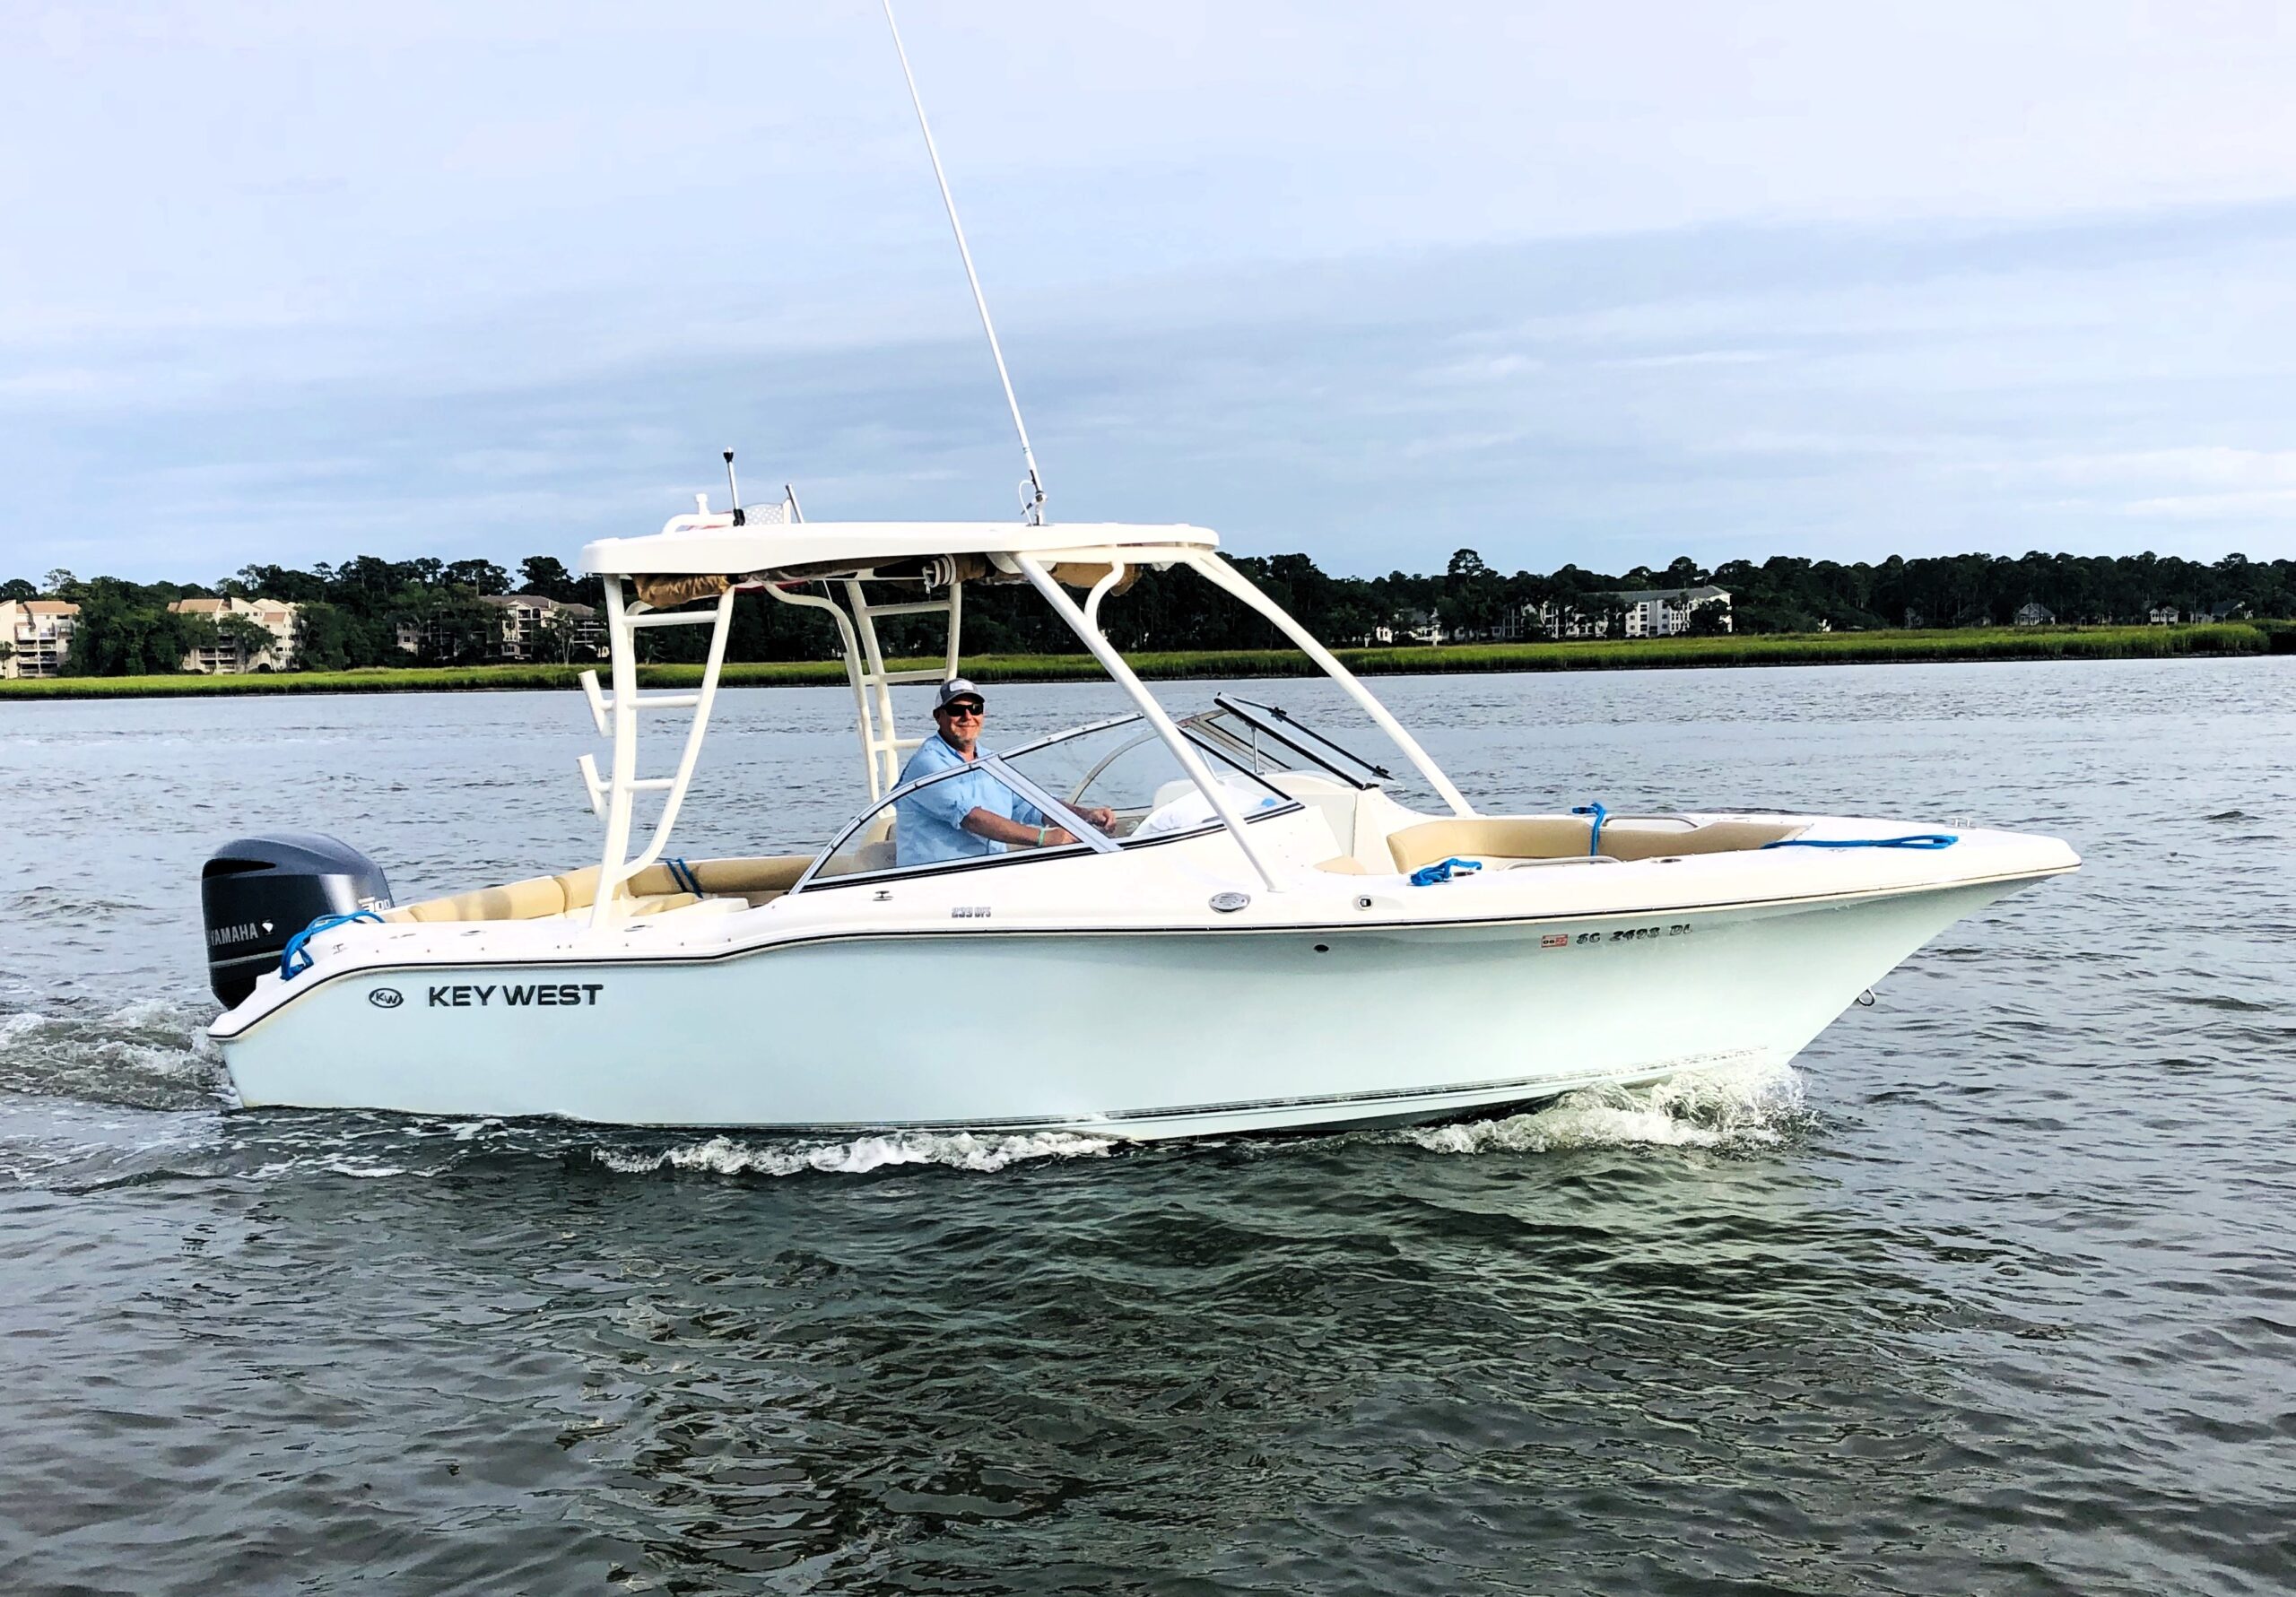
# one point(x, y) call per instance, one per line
point(238, 651)
point(521, 627)
point(1408, 626)
point(2034, 613)
point(537, 629)
point(1567, 619)
point(1666, 613)
point(1640, 612)
point(38, 635)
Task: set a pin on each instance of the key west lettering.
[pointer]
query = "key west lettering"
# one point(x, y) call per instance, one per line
point(561, 995)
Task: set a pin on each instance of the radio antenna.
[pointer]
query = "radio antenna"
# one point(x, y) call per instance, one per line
point(1032, 490)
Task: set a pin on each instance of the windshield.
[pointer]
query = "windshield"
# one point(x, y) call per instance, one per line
point(1271, 738)
point(979, 813)
point(1113, 784)
point(1123, 767)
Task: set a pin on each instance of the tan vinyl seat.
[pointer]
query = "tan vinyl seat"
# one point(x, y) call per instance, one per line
point(526, 900)
point(662, 903)
point(1560, 837)
point(656, 888)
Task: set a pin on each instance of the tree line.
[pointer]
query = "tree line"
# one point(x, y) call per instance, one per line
point(351, 614)
point(348, 615)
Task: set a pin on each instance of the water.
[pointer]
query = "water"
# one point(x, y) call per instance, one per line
point(1991, 1292)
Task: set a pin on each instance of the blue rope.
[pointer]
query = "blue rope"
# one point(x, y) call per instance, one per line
point(288, 968)
point(1911, 841)
point(1443, 870)
point(1593, 838)
point(682, 874)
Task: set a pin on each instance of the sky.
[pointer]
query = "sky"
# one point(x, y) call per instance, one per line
point(1602, 284)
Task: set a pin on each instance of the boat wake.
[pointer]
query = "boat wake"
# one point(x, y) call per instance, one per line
point(1734, 1107)
point(960, 1150)
point(151, 1055)
point(1740, 1108)
point(67, 1069)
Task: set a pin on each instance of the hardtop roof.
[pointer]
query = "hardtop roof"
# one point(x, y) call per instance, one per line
point(694, 545)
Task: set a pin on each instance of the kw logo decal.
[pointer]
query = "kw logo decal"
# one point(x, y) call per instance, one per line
point(544, 995)
point(386, 998)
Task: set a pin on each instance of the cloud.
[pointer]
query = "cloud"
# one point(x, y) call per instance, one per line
point(2208, 465)
point(1698, 358)
point(1376, 411)
point(2272, 505)
point(1336, 278)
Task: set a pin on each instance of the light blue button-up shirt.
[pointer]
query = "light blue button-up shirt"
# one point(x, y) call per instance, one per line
point(928, 825)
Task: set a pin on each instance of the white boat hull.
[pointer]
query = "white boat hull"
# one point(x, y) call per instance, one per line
point(1122, 1032)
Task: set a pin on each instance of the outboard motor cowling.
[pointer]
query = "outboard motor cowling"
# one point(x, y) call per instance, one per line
point(257, 892)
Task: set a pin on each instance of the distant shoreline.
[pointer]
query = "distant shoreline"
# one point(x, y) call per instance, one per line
point(2219, 639)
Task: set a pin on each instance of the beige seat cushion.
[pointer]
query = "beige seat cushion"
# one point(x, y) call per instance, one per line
point(1558, 836)
point(1716, 837)
point(526, 900)
point(764, 873)
point(1486, 837)
point(653, 890)
point(656, 903)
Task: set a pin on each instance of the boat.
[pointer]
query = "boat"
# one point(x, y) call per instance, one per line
point(1229, 921)
point(1263, 935)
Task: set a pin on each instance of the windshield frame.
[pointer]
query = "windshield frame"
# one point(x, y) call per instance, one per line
point(1194, 735)
point(1089, 839)
point(1262, 718)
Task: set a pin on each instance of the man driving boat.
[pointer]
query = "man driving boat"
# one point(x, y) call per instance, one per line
point(971, 815)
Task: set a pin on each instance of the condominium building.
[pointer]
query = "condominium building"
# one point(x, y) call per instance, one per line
point(229, 655)
point(1571, 618)
point(1408, 626)
point(1666, 613)
point(525, 627)
point(38, 635)
point(537, 629)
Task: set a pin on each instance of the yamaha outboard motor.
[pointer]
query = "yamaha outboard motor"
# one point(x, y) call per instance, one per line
point(257, 892)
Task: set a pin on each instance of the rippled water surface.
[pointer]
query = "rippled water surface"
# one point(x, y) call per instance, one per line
point(1994, 1290)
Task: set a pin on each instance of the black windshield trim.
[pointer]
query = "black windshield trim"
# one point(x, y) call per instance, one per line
point(1242, 709)
point(1201, 743)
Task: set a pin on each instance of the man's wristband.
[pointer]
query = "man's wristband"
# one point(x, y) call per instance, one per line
point(1041, 832)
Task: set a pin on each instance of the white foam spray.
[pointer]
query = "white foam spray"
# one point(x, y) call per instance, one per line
point(1737, 1107)
point(958, 1150)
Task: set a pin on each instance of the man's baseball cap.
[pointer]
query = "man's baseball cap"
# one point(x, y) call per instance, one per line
point(956, 688)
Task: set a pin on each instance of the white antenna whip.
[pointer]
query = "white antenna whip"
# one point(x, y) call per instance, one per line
point(1032, 491)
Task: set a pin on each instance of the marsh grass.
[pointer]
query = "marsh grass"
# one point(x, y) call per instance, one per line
point(1812, 648)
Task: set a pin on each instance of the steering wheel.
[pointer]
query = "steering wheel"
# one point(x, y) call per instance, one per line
point(1075, 795)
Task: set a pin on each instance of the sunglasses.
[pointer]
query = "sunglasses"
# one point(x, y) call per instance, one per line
point(963, 712)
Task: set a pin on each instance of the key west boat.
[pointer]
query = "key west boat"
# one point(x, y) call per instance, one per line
point(1265, 936)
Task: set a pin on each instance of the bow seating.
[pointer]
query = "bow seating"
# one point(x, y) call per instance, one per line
point(1498, 840)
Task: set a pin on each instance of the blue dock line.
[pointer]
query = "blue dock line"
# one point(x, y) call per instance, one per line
point(682, 874)
point(1443, 870)
point(1911, 841)
point(1593, 838)
point(288, 968)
